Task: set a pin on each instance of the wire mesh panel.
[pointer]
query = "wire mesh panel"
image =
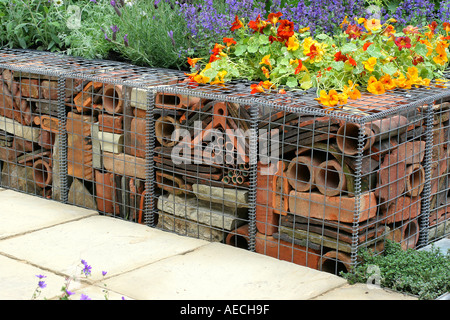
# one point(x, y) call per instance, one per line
point(438, 220)
point(273, 173)
point(29, 130)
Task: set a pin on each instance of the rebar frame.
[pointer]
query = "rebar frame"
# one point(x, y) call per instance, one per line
point(154, 81)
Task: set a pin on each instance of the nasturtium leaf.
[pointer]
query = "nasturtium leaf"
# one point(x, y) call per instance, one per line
point(348, 48)
point(389, 68)
point(291, 82)
point(306, 82)
point(337, 65)
point(240, 49)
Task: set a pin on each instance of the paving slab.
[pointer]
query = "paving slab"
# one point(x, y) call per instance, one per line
point(361, 291)
point(18, 280)
point(219, 271)
point(21, 213)
point(106, 243)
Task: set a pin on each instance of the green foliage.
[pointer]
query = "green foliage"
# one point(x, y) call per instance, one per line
point(422, 273)
point(42, 25)
point(156, 35)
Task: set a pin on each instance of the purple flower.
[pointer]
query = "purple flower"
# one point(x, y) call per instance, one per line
point(170, 34)
point(42, 284)
point(40, 276)
point(113, 3)
point(94, 1)
point(69, 293)
point(104, 273)
point(125, 40)
point(114, 29)
point(84, 297)
point(87, 268)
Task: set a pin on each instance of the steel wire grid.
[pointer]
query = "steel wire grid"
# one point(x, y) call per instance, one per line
point(262, 108)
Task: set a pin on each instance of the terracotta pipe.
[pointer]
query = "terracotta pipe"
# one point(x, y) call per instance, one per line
point(42, 171)
point(334, 262)
point(348, 135)
point(113, 98)
point(329, 178)
point(407, 234)
point(300, 172)
point(165, 127)
point(415, 179)
point(172, 183)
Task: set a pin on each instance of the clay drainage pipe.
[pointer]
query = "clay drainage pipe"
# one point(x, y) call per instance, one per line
point(42, 172)
point(329, 178)
point(167, 131)
point(113, 98)
point(407, 235)
point(348, 135)
point(415, 179)
point(334, 262)
point(300, 172)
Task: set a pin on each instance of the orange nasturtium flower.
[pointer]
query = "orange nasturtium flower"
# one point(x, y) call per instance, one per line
point(441, 58)
point(193, 62)
point(265, 71)
point(274, 17)
point(403, 82)
point(300, 67)
point(313, 49)
point(366, 45)
point(372, 24)
point(285, 29)
point(236, 24)
point(266, 60)
point(267, 84)
point(411, 30)
point(376, 87)
point(333, 98)
point(328, 100)
point(351, 90)
point(388, 82)
point(370, 64)
point(292, 43)
point(257, 25)
point(403, 42)
point(354, 31)
point(257, 87)
point(229, 41)
point(446, 26)
point(344, 22)
point(219, 78)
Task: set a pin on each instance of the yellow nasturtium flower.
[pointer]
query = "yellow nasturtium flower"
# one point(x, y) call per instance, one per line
point(351, 90)
point(388, 82)
point(292, 43)
point(372, 24)
point(441, 58)
point(370, 64)
point(266, 60)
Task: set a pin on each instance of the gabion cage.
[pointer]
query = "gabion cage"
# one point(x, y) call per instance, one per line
point(272, 173)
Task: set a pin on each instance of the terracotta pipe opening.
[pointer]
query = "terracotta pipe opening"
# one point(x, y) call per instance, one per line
point(348, 135)
point(334, 262)
point(170, 100)
point(329, 178)
point(238, 241)
point(112, 99)
point(415, 181)
point(42, 173)
point(166, 129)
point(300, 173)
point(410, 234)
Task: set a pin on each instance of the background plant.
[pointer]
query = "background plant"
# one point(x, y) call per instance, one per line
point(422, 273)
